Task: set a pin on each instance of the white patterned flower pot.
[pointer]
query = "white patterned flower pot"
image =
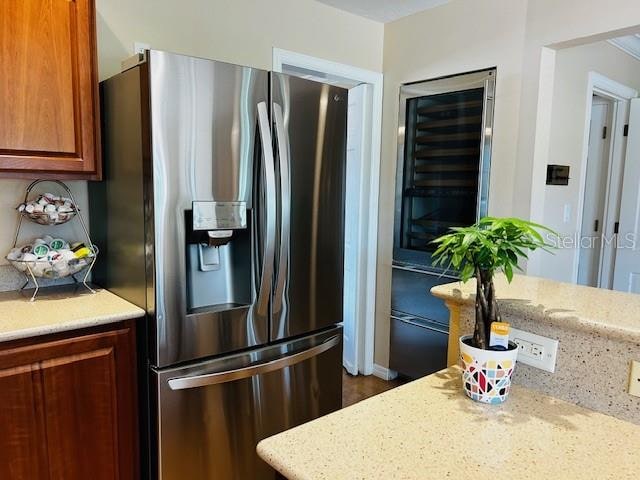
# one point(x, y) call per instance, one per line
point(486, 375)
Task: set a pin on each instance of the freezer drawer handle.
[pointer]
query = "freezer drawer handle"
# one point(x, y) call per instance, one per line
point(424, 272)
point(195, 381)
point(418, 324)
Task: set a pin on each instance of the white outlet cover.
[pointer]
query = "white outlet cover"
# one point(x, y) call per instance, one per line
point(549, 346)
point(634, 379)
point(140, 47)
point(567, 212)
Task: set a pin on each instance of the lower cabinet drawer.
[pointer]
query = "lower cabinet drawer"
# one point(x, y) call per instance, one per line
point(418, 347)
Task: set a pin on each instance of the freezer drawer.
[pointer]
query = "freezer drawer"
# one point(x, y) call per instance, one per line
point(211, 416)
point(411, 294)
point(418, 346)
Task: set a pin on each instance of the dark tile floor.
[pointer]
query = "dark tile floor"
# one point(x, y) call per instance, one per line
point(356, 388)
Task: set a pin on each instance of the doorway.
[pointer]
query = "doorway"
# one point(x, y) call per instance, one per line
point(602, 182)
point(593, 250)
point(364, 126)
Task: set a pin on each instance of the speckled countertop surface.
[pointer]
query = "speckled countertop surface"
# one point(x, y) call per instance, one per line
point(616, 314)
point(428, 429)
point(59, 309)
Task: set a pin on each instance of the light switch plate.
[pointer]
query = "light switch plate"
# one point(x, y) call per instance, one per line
point(535, 350)
point(634, 379)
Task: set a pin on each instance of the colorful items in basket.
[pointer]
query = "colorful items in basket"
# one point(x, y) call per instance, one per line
point(50, 257)
point(48, 209)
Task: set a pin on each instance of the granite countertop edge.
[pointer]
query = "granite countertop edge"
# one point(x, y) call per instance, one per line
point(66, 327)
point(458, 293)
point(382, 425)
point(62, 312)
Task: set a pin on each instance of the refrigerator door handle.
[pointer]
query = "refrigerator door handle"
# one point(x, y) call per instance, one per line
point(279, 300)
point(183, 383)
point(262, 304)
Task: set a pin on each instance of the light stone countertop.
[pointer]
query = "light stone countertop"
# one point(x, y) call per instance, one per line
point(611, 313)
point(428, 429)
point(60, 309)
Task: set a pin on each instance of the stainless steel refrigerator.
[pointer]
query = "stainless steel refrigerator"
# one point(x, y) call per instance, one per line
point(222, 214)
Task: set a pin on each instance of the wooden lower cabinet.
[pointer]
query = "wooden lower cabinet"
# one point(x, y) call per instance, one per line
point(68, 406)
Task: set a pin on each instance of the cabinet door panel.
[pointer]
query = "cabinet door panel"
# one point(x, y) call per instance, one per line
point(68, 407)
point(81, 421)
point(22, 431)
point(48, 88)
point(38, 114)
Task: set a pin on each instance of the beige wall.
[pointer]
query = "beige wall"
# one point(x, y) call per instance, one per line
point(238, 31)
point(566, 142)
point(461, 36)
point(512, 35)
point(12, 193)
point(554, 24)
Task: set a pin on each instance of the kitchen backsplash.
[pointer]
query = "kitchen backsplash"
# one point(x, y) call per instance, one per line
point(11, 194)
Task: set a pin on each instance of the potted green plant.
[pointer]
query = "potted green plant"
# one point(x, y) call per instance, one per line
point(479, 251)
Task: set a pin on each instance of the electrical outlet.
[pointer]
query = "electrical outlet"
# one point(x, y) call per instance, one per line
point(634, 379)
point(535, 350)
point(139, 47)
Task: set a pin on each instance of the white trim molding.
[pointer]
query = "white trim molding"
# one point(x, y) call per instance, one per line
point(383, 372)
point(629, 44)
point(375, 79)
point(609, 87)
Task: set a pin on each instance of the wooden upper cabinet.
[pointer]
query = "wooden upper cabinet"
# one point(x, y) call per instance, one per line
point(49, 104)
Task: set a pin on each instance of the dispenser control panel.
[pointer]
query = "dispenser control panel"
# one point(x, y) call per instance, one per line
point(219, 215)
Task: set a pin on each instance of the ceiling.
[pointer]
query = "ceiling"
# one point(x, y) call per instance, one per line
point(629, 44)
point(384, 10)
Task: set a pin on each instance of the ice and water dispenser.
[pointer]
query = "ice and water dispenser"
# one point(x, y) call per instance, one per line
point(218, 263)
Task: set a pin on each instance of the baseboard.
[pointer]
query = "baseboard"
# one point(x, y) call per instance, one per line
point(383, 372)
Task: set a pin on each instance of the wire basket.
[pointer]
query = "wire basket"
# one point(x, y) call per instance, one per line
point(44, 218)
point(52, 266)
point(47, 208)
point(52, 269)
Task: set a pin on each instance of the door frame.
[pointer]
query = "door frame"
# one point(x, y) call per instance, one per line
point(603, 181)
point(598, 84)
point(367, 225)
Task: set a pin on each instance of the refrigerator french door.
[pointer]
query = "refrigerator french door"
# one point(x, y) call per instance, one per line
point(444, 156)
point(224, 200)
point(310, 120)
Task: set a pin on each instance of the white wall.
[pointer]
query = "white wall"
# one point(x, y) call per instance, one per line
point(553, 24)
point(515, 36)
point(237, 31)
point(458, 37)
point(568, 117)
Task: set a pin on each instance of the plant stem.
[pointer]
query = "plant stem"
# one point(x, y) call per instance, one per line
point(487, 288)
point(495, 317)
point(480, 334)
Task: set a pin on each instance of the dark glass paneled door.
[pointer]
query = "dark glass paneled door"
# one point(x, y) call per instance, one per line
point(443, 160)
